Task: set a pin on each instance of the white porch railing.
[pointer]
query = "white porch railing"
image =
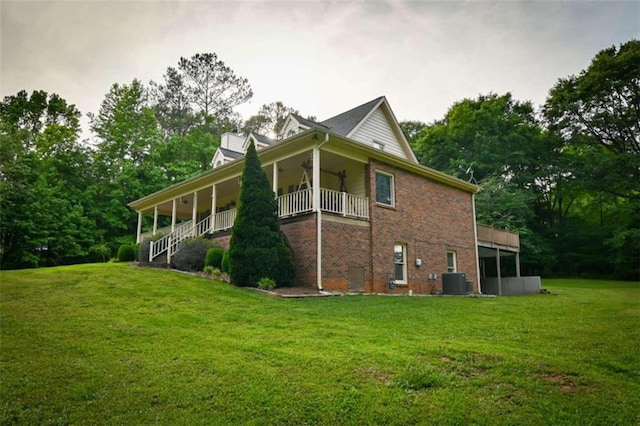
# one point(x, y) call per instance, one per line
point(336, 202)
point(224, 220)
point(344, 203)
point(295, 203)
point(171, 240)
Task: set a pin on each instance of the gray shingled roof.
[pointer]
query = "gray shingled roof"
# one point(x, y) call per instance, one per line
point(231, 154)
point(343, 123)
point(263, 139)
point(307, 122)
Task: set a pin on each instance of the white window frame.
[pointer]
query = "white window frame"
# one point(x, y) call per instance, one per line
point(392, 191)
point(454, 257)
point(378, 145)
point(403, 248)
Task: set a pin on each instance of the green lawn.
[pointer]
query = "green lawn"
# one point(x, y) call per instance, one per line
point(115, 344)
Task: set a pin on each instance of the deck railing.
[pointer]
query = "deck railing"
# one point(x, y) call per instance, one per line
point(501, 237)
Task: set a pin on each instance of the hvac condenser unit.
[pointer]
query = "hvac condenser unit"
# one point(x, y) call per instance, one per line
point(454, 283)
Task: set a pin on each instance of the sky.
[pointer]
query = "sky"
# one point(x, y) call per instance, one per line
point(319, 57)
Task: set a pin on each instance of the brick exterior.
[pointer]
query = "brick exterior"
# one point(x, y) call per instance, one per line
point(430, 218)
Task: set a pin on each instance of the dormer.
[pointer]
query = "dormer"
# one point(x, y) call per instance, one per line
point(296, 124)
point(259, 141)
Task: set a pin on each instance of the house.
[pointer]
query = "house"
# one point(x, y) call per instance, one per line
point(358, 210)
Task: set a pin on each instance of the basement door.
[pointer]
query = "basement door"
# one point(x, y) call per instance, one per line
point(356, 279)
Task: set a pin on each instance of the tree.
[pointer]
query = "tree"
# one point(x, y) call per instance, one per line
point(597, 116)
point(124, 165)
point(411, 130)
point(270, 120)
point(257, 248)
point(603, 101)
point(44, 208)
point(201, 91)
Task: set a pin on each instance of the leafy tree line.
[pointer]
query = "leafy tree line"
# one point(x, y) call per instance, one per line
point(64, 200)
point(566, 177)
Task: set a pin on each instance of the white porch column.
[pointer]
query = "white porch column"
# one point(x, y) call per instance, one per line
point(194, 214)
point(317, 208)
point(275, 179)
point(213, 208)
point(155, 219)
point(316, 179)
point(173, 215)
point(518, 264)
point(139, 229)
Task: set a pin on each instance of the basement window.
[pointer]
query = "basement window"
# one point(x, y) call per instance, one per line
point(400, 263)
point(451, 261)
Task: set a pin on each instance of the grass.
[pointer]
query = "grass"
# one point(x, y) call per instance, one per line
point(114, 344)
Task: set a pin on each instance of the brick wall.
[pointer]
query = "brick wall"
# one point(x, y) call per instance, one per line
point(345, 244)
point(429, 218)
point(301, 236)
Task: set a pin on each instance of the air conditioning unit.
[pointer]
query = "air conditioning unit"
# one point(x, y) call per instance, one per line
point(454, 283)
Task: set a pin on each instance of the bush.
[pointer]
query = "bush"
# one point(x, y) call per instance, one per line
point(266, 284)
point(214, 257)
point(126, 253)
point(224, 265)
point(145, 246)
point(190, 257)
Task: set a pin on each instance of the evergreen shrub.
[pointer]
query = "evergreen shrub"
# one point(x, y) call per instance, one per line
point(191, 255)
point(214, 257)
point(126, 253)
point(257, 248)
point(224, 265)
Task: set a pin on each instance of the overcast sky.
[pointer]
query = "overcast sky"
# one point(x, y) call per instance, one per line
point(319, 57)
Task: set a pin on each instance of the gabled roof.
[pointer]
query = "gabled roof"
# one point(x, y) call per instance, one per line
point(343, 124)
point(231, 154)
point(307, 123)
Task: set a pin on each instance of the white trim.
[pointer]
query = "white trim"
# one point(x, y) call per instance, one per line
point(404, 263)
point(365, 118)
point(455, 260)
point(392, 187)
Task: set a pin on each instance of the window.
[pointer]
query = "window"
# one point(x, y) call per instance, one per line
point(378, 145)
point(400, 261)
point(451, 261)
point(384, 189)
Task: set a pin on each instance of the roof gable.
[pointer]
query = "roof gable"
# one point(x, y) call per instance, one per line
point(343, 124)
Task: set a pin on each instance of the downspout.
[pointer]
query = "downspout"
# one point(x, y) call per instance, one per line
point(475, 237)
point(316, 204)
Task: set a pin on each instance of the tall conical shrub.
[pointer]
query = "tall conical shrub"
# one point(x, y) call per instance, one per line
point(257, 248)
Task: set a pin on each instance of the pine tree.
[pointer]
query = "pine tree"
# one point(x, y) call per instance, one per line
point(258, 248)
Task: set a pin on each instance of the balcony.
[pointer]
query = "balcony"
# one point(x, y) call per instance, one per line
point(498, 238)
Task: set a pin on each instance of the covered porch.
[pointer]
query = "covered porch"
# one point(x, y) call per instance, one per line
point(303, 182)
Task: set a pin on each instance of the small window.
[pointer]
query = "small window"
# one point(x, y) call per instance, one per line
point(378, 145)
point(384, 189)
point(400, 263)
point(451, 261)
point(291, 133)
